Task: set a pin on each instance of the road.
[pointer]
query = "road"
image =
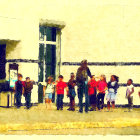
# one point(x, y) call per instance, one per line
point(38, 120)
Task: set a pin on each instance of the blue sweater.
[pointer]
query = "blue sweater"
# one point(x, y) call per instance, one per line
point(115, 87)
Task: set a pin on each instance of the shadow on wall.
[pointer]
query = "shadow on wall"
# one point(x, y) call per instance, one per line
point(10, 46)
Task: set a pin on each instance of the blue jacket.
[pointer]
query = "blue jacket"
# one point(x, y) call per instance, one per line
point(115, 87)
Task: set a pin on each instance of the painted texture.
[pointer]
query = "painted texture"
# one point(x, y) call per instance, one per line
point(100, 31)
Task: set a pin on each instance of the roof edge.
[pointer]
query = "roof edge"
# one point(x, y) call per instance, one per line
point(52, 23)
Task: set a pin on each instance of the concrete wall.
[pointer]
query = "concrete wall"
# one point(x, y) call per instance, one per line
point(99, 31)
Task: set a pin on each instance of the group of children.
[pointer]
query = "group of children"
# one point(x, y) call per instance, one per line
point(97, 88)
point(96, 92)
point(23, 88)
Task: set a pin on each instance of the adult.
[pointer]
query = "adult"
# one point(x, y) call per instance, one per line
point(82, 80)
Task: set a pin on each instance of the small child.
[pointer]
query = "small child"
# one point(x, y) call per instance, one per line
point(19, 90)
point(72, 93)
point(112, 91)
point(60, 86)
point(48, 90)
point(92, 85)
point(101, 88)
point(129, 92)
point(27, 93)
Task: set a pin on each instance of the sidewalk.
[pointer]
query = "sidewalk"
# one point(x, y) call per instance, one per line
point(38, 120)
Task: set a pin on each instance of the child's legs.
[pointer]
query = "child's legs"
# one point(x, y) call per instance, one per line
point(58, 98)
point(113, 97)
point(47, 102)
point(72, 103)
point(130, 102)
point(50, 99)
point(102, 100)
point(113, 104)
point(94, 101)
point(46, 98)
point(108, 105)
point(108, 97)
point(28, 100)
point(98, 100)
point(18, 99)
point(61, 101)
point(91, 98)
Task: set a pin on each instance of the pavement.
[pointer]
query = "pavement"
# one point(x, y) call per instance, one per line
point(39, 120)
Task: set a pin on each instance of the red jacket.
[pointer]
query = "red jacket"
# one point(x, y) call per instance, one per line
point(60, 87)
point(101, 85)
point(92, 84)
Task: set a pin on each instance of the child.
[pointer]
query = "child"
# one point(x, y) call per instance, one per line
point(112, 91)
point(27, 93)
point(48, 90)
point(19, 90)
point(92, 84)
point(72, 93)
point(60, 86)
point(101, 88)
point(129, 92)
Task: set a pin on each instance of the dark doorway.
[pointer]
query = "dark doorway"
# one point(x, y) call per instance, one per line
point(2, 61)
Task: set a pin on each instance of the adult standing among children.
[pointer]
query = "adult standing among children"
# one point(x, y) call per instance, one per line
point(82, 80)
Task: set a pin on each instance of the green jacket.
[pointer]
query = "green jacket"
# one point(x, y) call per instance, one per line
point(82, 75)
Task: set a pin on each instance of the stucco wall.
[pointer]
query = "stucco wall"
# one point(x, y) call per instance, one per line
point(99, 31)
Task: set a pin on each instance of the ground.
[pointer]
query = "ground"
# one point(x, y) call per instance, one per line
point(38, 120)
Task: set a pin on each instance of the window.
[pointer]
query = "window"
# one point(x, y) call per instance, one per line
point(47, 56)
point(47, 51)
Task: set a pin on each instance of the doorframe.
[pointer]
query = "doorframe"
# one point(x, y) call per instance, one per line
point(59, 26)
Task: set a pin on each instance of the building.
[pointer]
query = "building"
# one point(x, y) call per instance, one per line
point(51, 37)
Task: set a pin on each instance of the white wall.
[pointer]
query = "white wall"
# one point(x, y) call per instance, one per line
point(99, 31)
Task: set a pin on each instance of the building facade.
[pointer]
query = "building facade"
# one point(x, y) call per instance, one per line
point(49, 37)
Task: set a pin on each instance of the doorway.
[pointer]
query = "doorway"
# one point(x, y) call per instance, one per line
point(2, 61)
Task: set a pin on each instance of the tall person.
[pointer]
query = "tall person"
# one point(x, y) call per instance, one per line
point(82, 80)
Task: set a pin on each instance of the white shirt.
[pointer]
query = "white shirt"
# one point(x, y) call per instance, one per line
point(49, 88)
point(129, 89)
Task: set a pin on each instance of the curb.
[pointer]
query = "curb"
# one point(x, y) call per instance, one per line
point(70, 125)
